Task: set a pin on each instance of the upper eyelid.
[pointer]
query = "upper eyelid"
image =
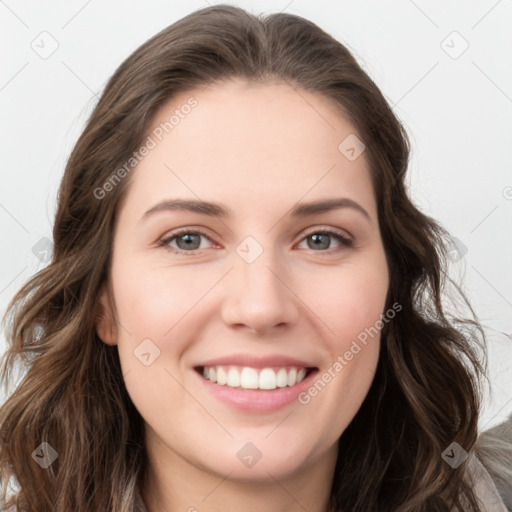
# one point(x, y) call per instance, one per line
point(336, 231)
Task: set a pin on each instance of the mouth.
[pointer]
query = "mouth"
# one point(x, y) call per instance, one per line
point(255, 384)
point(263, 379)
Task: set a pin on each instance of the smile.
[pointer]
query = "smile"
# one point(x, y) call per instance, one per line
point(255, 384)
point(254, 378)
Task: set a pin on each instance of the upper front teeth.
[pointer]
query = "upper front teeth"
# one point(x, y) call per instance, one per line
point(248, 378)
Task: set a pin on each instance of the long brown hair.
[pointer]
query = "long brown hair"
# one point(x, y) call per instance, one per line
point(426, 391)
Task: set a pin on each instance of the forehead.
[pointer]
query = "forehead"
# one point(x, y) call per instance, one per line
point(236, 142)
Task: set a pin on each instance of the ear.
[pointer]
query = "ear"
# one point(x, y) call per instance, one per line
point(106, 326)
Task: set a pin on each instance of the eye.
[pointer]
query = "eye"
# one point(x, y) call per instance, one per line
point(188, 241)
point(321, 239)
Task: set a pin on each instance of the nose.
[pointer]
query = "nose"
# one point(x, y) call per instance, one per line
point(258, 296)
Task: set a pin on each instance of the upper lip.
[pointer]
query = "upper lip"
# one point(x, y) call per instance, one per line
point(257, 362)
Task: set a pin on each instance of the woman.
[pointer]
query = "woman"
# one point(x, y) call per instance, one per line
point(297, 358)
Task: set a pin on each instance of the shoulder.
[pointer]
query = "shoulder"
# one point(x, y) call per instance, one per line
point(484, 487)
point(492, 464)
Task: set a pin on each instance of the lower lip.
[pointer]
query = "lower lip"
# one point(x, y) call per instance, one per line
point(257, 400)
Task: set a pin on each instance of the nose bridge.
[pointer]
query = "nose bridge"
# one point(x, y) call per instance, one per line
point(257, 294)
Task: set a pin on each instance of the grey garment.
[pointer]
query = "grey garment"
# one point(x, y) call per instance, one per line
point(484, 487)
point(494, 450)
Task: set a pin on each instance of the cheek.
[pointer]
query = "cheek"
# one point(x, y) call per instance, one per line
point(152, 300)
point(151, 307)
point(349, 302)
point(353, 382)
point(152, 304)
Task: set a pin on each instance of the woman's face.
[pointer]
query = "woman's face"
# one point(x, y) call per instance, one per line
point(258, 294)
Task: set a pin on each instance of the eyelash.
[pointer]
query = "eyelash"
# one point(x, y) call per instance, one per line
point(164, 242)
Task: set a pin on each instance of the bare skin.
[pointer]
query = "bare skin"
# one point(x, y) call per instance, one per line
point(259, 150)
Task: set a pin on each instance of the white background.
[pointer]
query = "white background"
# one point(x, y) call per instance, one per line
point(457, 111)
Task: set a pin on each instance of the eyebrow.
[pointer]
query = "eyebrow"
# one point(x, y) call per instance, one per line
point(221, 211)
